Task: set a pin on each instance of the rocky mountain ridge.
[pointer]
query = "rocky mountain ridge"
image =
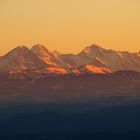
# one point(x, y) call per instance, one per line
point(39, 61)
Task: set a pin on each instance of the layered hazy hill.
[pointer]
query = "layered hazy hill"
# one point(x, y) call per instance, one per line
point(39, 61)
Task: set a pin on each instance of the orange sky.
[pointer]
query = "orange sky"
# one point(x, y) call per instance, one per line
point(70, 25)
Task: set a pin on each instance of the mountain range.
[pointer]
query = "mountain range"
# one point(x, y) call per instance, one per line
point(45, 94)
point(39, 61)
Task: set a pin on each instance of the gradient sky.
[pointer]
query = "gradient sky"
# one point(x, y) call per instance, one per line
point(70, 25)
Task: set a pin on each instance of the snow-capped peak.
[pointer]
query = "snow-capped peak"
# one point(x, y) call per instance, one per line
point(18, 51)
point(20, 60)
point(39, 47)
point(91, 48)
point(44, 55)
point(22, 47)
point(93, 51)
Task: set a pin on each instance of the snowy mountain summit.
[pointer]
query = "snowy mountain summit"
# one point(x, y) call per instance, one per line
point(41, 62)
